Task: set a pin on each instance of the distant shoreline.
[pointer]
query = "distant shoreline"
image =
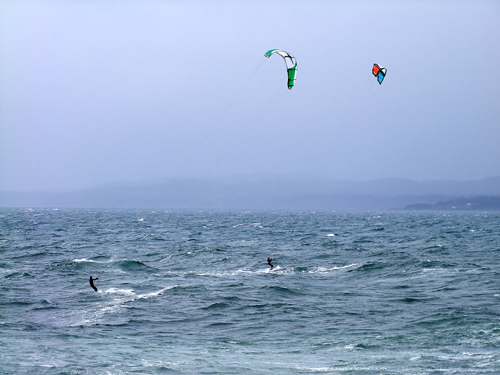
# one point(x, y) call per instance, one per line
point(478, 203)
point(273, 194)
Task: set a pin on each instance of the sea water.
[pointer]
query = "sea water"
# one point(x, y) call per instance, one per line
point(190, 292)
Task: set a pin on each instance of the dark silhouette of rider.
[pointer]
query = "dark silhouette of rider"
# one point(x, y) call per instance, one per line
point(91, 281)
point(269, 259)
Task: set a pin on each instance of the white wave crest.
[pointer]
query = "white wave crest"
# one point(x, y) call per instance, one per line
point(155, 294)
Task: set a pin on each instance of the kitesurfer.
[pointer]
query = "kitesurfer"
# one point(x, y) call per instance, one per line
point(269, 259)
point(91, 281)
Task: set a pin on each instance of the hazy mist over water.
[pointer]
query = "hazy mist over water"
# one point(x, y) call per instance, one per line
point(94, 93)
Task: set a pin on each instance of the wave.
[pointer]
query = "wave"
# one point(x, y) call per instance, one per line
point(124, 265)
point(328, 270)
point(283, 290)
point(7, 272)
point(216, 306)
point(371, 266)
point(313, 270)
point(430, 264)
point(11, 274)
point(277, 270)
point(109, 301)
point(126, 292)
point(167, 258)
point(134, 295)
point(29, 255)
point(233, 273)
point(44, 304)
point(157, 293)
point(131, 265)
point(85, 260)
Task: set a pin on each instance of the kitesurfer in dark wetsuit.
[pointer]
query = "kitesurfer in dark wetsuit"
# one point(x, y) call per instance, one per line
point(91, 281)
point(269, 259)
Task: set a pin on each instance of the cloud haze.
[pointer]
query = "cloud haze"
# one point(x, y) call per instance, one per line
point(97, 92)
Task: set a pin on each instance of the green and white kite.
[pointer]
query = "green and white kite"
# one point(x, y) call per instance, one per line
point(290, 62)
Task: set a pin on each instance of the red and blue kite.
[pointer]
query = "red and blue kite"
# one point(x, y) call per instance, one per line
point(379, 72)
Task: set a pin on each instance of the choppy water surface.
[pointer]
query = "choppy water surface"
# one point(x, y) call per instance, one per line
point(191, 293)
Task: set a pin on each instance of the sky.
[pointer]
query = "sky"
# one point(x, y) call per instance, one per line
point(102, 92)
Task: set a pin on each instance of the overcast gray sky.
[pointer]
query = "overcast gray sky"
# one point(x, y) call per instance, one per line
point(93, 92)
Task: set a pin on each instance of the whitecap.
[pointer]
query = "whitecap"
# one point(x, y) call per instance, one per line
point(318, 270)
point(167, 258)
point(327, 270)
point(348, 266)
point(155, 294)
point(312, 369)
point(269, 270)
point(128, 292)
point(330, 235)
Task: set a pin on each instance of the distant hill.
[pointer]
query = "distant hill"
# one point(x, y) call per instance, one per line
point(259, 192)
point(486, 203)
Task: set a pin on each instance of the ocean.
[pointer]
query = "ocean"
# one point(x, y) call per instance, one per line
point(190, 292)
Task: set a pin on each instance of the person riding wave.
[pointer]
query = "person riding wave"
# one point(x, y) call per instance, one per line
point(91, 281)
point(269, 260)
